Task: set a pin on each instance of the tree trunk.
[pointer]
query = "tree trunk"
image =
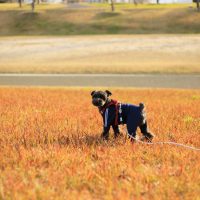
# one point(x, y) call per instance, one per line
point(198, 6)
point(20, 3)
point(38, 2)
point(157, 1)
point(33, 5)
point(112, 6)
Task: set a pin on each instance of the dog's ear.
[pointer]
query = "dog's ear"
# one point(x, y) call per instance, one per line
point(93, 92)
point(108, 93)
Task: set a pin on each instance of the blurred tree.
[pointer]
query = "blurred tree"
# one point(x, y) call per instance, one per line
point(33, 5)
point(198, 4)
point(112, 5)
point(20, 3)
point(135, 2)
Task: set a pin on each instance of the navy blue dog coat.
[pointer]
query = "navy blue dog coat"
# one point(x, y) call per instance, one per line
point(116, 113)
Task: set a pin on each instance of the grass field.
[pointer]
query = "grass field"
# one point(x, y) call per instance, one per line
point(50, 146)
point(98, 19)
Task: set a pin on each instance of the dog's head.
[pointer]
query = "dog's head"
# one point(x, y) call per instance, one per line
point(100, 98)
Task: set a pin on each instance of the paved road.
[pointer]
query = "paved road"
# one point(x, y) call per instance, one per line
point(107, 80)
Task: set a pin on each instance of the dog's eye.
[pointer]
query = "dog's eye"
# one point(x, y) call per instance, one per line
point(102, 97)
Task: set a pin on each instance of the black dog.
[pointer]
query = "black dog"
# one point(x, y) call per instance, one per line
point(115, 113)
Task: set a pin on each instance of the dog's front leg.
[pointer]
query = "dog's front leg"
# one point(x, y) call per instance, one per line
point(105, 133)
point(116, 130)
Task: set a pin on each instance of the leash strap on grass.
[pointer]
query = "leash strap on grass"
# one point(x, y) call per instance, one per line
point(170, 143)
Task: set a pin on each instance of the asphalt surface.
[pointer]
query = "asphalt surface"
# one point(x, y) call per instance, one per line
point(103, 80)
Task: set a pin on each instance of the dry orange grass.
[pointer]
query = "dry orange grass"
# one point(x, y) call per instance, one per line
point(50, 147)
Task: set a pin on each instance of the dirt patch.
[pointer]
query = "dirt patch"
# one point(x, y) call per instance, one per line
point(101, 54)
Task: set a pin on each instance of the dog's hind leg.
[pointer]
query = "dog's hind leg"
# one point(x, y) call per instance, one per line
point(147, 135)
point(131, 127)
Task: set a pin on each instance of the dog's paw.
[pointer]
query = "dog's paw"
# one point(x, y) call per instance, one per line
point(104, 137)
point(134, 139)
point(147, 137)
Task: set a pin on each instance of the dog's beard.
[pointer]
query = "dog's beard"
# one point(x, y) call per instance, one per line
point(98, 102)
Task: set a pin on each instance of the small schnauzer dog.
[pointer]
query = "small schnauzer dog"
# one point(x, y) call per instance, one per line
point(115, 114)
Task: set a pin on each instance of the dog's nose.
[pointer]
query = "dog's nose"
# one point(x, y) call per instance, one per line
point(96, 102)
point(99, 101)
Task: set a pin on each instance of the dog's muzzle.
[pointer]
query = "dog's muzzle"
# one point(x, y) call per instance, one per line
point(98, 102)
